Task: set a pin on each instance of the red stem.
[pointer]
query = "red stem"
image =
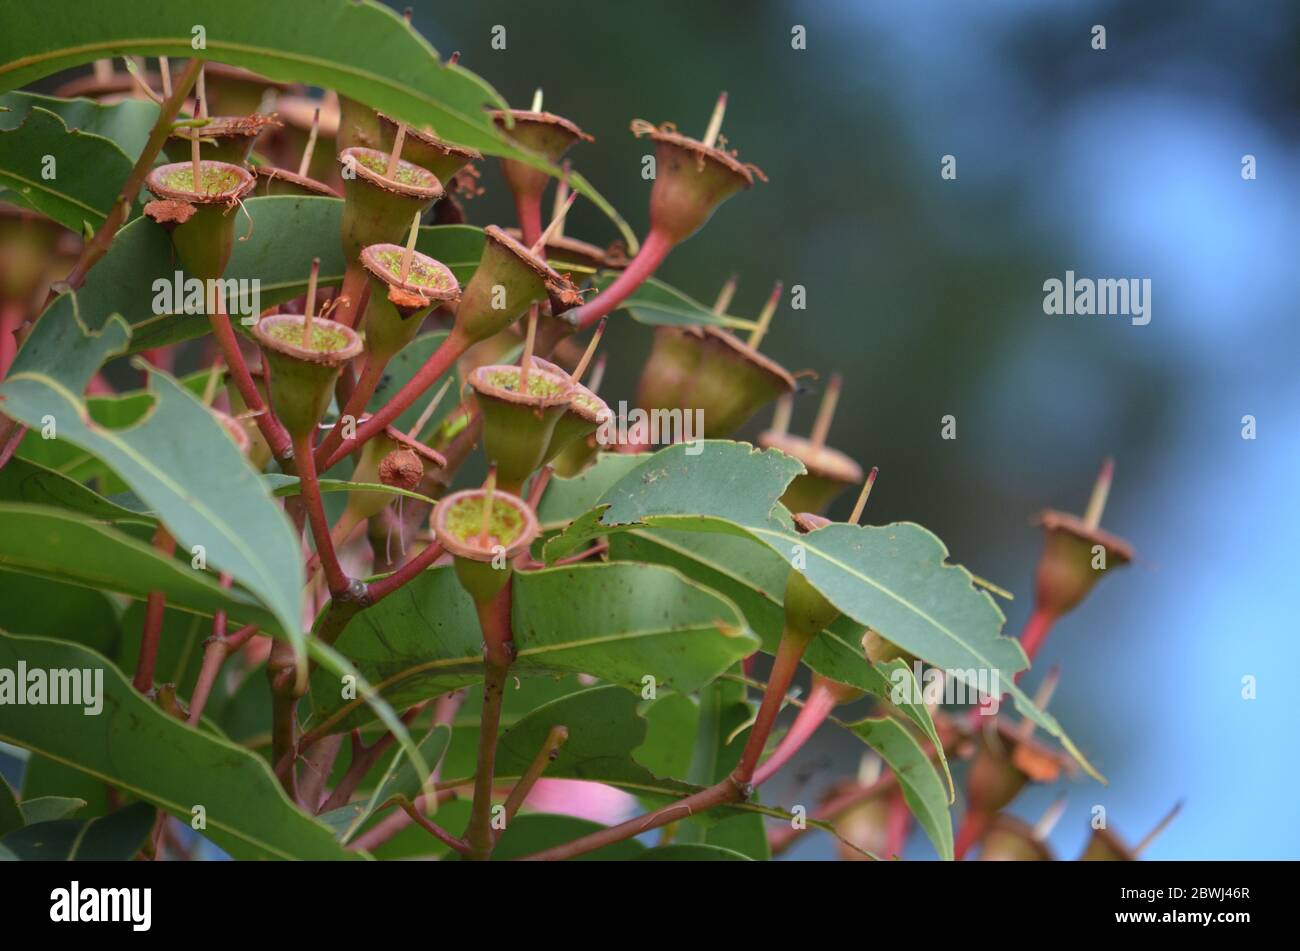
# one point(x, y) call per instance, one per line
point(788, 654)
point(354, 288)
point(1035, 633)
point(378, 590)
point(155, 607)
point(335, 576)
point(973, 828)
point(821, 701)
point(647, 260)
point(439, 362)
point(371, 373)
point(528, 208)
point(272, 431)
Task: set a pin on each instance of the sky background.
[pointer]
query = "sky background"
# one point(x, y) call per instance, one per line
point(927, 295)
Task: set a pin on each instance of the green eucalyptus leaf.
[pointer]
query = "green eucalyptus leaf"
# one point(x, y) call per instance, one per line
point(658, 304)
point(179, 460)
point(893, 578)
point(924, 790)
point(126, 123)
point(753, 576)
point(619, 622)
point(72, 549)
point(22, 480)
point(50, 808)
point(116, 837)
point(70, 176)
point(359, 48)
point(134, 745)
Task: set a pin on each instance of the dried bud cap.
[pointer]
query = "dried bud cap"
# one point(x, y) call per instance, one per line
point(401, 469)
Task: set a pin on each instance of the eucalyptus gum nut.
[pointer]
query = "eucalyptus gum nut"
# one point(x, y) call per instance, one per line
point(1105, 846)
point(517, 427)
point(508, 280)
point(236, 91)
point(204, 238)
point(1065, 570)
point(474, 560)
point(396, 309)
point(377, 209)
point(544, 133)
point(230, 138)
point(358, 126)
point(807, 612)
point(691, 180)
point(280, 181)
point(425, 149)
point(27, 242)
point(667, 374)
point(993, 781)
point(576, 457)
point(732, 382)
point(829, 471)
point(259, 450)
point(580, 419)
point(866, 825)
point(1012, 840)
point(302, 379)
point(879, 650)
point(367, 504)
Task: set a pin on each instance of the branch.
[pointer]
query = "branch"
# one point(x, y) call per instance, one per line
point(555, 739)
point(437, 831)
point(98, 246)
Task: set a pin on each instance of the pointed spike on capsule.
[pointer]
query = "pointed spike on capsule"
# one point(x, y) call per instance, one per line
point(561, 196)
point(581, 368)
point(1160, 827)
point(530, 341)
point(826, 411)
point(765, 316)
point(409, 251)
point(781, 416)
point(311, 302)
point(407, 14)
point(597, 374)
point(725, 295)
point(395, 156)
point(165, 71)
point(103, 70)
point(201, 93)
point(1100, 492)
point(865, 494)
point(1050, 817)
point(489, 489)
point(715, 121)
point(1043, 696)
point(870, 768)
point(537, 100)
point(454, 58)
point(539, 246)
point(429, 410)
point(310, 148)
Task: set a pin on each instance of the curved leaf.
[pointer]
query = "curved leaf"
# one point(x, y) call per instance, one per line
point(359, 48)
point(922, 788)
point(70, 176)
point(894, 578)
point(181, 463)
point(67, 547)
point(619, 622)
point(133, 745)
point(126, 123)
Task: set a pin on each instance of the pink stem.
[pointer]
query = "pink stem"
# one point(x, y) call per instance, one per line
point(439, 362)
point(647, 260)
point(371, 373)
point(815, 710)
